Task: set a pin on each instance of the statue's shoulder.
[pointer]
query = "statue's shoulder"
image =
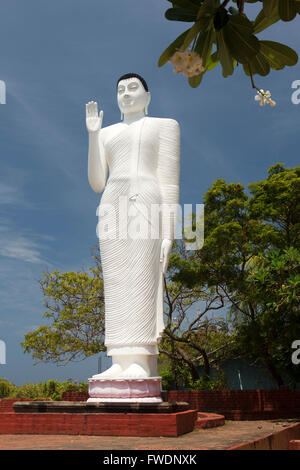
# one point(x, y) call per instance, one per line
point(164, 121)
point(165, 124)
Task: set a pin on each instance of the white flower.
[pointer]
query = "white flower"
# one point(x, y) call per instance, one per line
point(264, 97)
point(188, 62)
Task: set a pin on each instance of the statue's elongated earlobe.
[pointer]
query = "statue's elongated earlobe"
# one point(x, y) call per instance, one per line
point(122, 116)
point(146, 110)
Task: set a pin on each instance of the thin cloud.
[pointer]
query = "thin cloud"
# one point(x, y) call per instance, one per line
point(8, 194)
point(21, 249)
point(13, 243)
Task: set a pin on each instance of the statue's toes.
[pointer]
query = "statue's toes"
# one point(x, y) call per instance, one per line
point(113, 372)
point(135, 371)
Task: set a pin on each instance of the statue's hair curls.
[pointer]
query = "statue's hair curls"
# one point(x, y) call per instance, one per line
point(134, 75)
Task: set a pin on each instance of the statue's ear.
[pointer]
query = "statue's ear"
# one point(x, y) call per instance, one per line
point(149, 98)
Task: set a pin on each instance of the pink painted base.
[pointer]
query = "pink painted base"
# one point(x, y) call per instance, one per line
point(125, 390)
point(125, 400)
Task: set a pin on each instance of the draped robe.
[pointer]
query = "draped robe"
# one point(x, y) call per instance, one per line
point(143, 159)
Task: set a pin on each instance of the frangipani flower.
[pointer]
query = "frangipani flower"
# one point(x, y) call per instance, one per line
point(264, 97)
point(188, 62)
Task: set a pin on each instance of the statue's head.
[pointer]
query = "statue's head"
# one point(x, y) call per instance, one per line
point(133, 94)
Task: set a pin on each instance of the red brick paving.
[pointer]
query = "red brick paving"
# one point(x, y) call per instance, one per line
point(224, 437)
point(294, 445)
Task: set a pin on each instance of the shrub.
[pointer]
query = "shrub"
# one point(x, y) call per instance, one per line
point(6, 388)
point(52, 389)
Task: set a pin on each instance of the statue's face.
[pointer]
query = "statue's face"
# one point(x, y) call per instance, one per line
point(132, 96)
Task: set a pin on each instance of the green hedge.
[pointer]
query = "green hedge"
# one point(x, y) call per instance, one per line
point(51, 389)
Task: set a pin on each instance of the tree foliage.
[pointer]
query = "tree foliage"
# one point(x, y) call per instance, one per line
point(251, 258)
point(75, 310)
point(224, 34)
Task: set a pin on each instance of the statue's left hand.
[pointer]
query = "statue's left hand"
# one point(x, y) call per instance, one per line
point(165, 251)
point(93, 121)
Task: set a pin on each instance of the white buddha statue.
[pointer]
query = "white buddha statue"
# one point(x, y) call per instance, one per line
point(142, 156)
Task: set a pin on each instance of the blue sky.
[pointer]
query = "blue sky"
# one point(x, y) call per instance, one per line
point(55, 57)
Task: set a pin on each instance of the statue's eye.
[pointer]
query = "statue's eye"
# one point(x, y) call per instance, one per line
point(121, 89)
point(133, 86)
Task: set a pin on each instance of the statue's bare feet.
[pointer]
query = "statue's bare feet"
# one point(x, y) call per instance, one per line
point(114, 372)
point(134, 371)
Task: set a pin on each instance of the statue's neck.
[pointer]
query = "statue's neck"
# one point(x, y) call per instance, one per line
point(132, 117)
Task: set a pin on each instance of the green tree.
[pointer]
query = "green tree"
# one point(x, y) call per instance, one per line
point(237, 261)
point(74, 304)
point(222, 33)
point(274, 324)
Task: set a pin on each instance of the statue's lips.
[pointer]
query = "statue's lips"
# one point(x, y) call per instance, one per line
point(128, 103)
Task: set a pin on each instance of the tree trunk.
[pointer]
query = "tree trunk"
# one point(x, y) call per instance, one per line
point(206, 364)
point(190, 363)
point(274, 372)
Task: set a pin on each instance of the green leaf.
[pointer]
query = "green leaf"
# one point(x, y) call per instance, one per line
point(195, 29)
point(202, 24)
point(241, 46)
point(204, 45)
point(278, 54)
point(180, 14)
point(242, 23)
point(270, 7)
point(212, 61)
point(208, 8)
point(258, 65)
point(287, 9)
point(262, 22)
point(172, 48)
point(185, 4)
point(233, 11)
point(221, 18)
point(224, 54)
point(195, 81)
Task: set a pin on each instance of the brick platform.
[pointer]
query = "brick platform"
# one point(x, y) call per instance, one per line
point(170, 424)
point(98, 407)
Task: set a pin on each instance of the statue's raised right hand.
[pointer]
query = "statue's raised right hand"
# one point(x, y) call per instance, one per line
point(93, 121)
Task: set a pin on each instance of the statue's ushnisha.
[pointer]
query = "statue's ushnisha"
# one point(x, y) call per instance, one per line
point(142, 155)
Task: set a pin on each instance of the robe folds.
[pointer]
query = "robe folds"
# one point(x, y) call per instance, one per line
point(143, 160)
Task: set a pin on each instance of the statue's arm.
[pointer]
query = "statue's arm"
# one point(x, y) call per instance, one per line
point(168, 171)
point(97, 163)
